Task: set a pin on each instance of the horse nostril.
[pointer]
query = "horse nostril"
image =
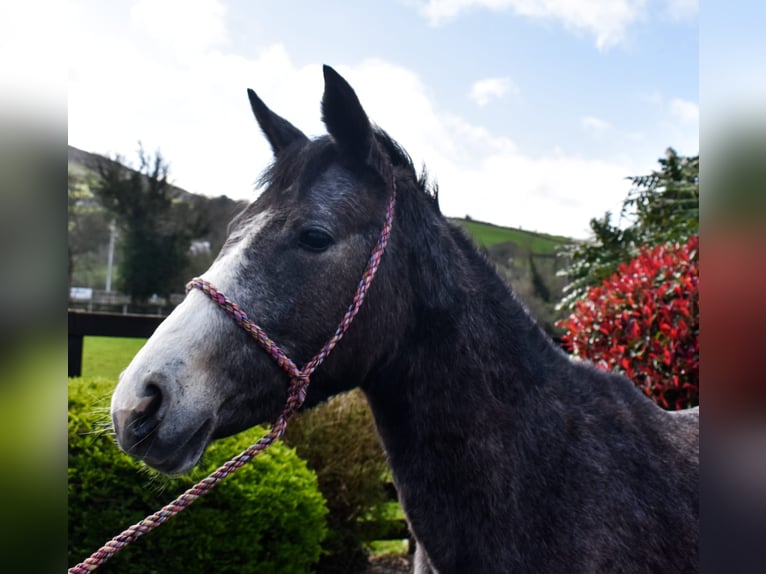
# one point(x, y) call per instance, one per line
point(145, 415)
point(140, 418)
point(150, 403)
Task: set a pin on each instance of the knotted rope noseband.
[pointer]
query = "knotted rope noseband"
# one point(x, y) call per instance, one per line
point(299, 382)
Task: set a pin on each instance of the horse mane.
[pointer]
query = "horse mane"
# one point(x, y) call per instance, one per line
point(401, 160)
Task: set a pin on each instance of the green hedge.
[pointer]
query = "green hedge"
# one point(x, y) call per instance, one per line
point(339, 441)
point(268, 517)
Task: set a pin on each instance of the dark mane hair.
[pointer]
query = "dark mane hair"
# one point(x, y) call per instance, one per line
point(310, 159)
point(400, 159)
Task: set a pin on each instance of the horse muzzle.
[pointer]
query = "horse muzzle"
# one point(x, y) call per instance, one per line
point(148, 430)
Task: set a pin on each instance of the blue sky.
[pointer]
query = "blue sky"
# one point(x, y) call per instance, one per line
point(527, 113)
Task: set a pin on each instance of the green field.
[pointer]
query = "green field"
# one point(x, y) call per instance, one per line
point(487, 235)
point(107, 356)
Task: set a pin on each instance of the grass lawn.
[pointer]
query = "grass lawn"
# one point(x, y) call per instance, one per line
point(108, 356)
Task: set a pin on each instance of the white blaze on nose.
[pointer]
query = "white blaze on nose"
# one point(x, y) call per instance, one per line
point(223, 272)
point(177, 350)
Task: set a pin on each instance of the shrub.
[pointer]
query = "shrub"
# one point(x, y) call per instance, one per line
point(339, 441)
point(644, 322)
point(268, 517)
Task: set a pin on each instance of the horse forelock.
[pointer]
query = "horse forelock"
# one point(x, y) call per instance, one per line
point(301, 164)
point(305, 163)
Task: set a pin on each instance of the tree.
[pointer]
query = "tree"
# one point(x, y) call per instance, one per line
point(154, 228)
point(662, 207)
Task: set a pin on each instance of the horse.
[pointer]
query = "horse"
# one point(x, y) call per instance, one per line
point(507, 454)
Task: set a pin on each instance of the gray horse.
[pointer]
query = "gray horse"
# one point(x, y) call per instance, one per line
point(507, 455)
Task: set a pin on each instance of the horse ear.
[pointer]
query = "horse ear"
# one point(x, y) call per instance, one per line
point(277, 130)
point(344, 117)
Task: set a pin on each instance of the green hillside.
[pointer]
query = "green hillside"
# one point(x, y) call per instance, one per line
point(487, 234)
point(529, 262)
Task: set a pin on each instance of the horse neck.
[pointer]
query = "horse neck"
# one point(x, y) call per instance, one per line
point(468, 345)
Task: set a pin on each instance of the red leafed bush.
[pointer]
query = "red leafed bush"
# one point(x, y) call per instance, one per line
point(644, 322)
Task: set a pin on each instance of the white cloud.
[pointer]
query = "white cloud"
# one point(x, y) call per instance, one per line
point(687, 112)
point(484, 91)
point(190, 27)
point(606, 20)
point(594, 124)
point(682, 9)
point(197, 113)
point(680, 126)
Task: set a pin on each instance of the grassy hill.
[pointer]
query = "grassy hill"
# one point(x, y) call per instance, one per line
point(488, 234)
point(528, 261)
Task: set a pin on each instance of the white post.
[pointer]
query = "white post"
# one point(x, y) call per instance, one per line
point(111, 257)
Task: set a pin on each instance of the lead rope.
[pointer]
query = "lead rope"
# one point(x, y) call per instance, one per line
point(299, 382)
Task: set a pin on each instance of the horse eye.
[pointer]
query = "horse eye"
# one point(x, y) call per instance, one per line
point(314, 239)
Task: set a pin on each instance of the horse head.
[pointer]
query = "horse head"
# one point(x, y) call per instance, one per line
point(292, 260)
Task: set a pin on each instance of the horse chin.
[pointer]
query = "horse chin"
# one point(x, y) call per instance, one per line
point(180, 460)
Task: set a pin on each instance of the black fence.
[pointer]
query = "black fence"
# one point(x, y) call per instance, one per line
point(83, 324)
point(127, 308)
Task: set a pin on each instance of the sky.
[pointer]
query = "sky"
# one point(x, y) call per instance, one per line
point(526, 113)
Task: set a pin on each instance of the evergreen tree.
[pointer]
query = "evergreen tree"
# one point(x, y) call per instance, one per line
point(155, 236)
